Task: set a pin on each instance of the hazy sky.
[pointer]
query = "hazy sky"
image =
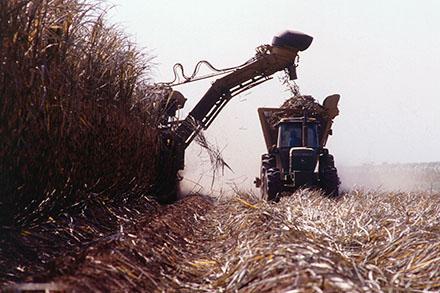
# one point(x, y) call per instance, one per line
point(383, 57)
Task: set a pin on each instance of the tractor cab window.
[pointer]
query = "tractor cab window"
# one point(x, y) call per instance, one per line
point(312, 136)
point(290, 135)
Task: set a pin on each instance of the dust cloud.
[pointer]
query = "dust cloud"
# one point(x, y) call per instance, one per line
point(392, 177)
point(199, 177)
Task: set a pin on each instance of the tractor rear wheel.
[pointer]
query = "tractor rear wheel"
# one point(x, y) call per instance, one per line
point(328, 175)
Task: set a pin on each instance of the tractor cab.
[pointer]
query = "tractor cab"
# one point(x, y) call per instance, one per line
point(298, 149)
point(298, 132)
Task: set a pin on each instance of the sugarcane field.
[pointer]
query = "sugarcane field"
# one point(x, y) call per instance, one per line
point(219, 146)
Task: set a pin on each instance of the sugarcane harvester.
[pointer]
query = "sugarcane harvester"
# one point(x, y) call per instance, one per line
point(269, 59)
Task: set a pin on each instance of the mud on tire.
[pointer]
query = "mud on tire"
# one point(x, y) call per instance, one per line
point(272, 185)
point(268, 177)
point(268, 161)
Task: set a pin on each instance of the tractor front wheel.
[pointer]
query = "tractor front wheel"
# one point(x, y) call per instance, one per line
point(271, 186)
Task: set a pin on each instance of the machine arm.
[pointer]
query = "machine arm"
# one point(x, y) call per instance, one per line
point(281, 55)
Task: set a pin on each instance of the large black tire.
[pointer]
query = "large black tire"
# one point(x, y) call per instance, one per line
point(263, 185)
point(271, 184)
point(328, 175)
point(166, 185)
point(268, 161)
point(274, 184)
